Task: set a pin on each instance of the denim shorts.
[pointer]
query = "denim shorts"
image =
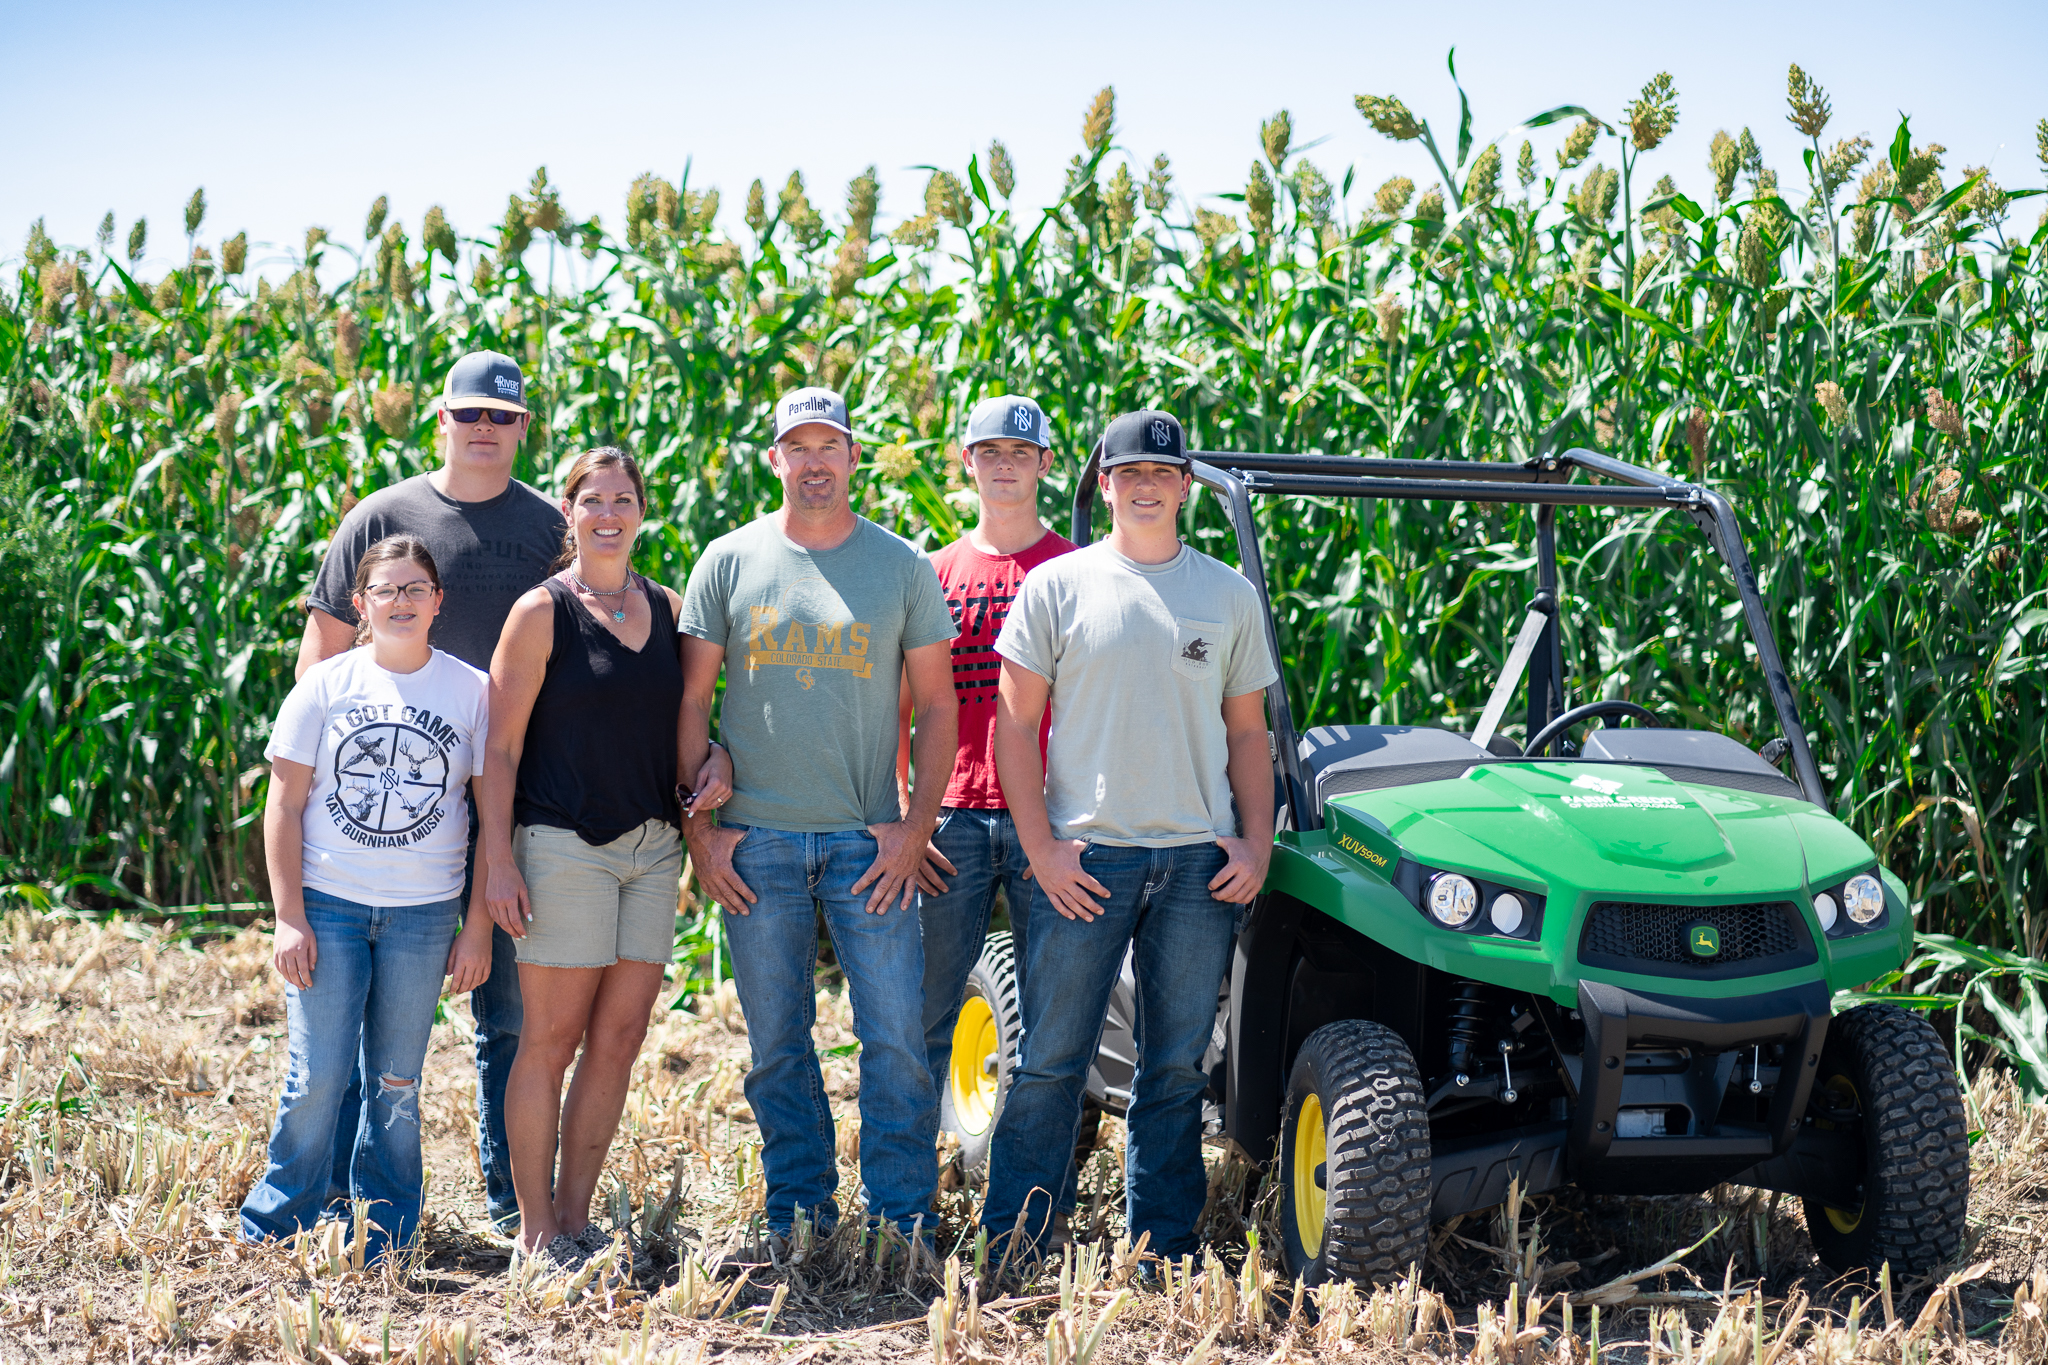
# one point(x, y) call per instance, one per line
point(594, 904)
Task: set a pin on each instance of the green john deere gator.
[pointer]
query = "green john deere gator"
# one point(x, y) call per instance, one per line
point(1605, 958)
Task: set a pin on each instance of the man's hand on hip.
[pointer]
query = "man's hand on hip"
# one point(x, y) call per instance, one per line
point(900, 849)
point(929, 879)
point(1067, 885)
point(711, 850)
point(1245, 871)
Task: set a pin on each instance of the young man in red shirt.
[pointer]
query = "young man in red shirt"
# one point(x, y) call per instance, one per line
point(1007, 450)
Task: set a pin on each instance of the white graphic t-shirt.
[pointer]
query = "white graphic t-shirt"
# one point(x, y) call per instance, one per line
point(386, 822)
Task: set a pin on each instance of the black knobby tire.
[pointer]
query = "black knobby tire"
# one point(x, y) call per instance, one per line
point(1375, 1131)
point(991, 985)
point(1889, 1065)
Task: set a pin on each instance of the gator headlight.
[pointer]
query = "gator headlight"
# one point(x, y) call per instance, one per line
point(1453, 900)
point(1506, 912)
point(1864, 898)
point(1824, 910)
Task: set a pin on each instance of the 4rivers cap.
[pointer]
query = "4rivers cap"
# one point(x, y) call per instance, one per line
point(485, 379)
point(810, 405)
point(1008, 417)
point(1147, 435)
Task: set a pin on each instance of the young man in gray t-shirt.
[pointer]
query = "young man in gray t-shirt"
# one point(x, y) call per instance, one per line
point(1148, 825)
point(814, 614)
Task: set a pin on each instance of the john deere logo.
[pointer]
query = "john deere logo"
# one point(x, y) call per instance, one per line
point(1703, 940)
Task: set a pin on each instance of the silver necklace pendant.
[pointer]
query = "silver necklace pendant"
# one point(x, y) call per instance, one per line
point(619, 615)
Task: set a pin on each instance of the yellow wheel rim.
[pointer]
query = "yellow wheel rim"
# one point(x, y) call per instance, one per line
point(1842, 1089)
point(977, 1043)
point(1309, 1154)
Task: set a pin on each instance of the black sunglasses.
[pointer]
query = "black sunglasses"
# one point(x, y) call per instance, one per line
point(499, 417)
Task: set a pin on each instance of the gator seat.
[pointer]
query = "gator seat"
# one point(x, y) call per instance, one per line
point(1336, 759)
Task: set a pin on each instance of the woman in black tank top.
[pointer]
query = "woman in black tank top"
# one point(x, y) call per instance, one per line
point(581, 853)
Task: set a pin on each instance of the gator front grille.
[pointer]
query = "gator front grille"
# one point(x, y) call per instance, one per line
point(1754, 939)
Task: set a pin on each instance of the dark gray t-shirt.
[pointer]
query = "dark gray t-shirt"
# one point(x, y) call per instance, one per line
point(814, 643)
point(488, 553)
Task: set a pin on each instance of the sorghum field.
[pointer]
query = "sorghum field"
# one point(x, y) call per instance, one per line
point(1852, 348)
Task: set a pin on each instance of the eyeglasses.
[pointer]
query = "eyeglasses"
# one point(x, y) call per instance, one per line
point(469, 416)
point(384, 594)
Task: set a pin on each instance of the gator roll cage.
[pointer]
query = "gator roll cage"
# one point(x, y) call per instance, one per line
point(1544, 482)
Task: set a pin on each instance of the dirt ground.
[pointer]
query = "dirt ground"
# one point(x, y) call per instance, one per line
point(140, 1076)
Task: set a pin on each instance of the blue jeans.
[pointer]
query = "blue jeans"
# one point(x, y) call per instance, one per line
point(497, 1010)
point(371, 1005)
point(1180, 936)
point(982, 846)
point(774, 965)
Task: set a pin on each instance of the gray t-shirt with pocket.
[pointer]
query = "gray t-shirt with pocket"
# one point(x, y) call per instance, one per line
point(1140, 658)
point(814, 643)
point(487, 553)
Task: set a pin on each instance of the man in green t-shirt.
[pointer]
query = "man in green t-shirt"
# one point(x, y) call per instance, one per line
point(819, 612)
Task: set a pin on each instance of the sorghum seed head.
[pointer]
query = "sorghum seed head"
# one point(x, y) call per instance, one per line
point(757, 206)
point(1002, 172)
point(234, 253)
point(1392, 314)
point(195, 211)
point(1314, 196)
point(1748, 156)
point(138, 239)
point(1525, 164)
point(863, 198)
point(1276, 137)
point(41, 250)
point(438, 235)
point(1753, 255)
point(1100, 120)
point(1482, 182)
point(314, 237)
point(224, 414)
point(394, 411)
point(1258, 200)
point(1159, 184)
point(1832, 401)
point(1429, 216)
point(105, 236)
point(1388, 116)
point(1578, 144)
point(374, 224)
point(1724, 160)
point(1212, 227)
point(1810, 111)
point(1392, 197)
point(1120, 203)
point(1654, 113)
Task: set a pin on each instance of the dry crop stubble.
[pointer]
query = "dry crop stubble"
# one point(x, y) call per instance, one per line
point(140, 1074)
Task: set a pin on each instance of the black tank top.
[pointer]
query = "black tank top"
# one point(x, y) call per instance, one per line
point(600, 754)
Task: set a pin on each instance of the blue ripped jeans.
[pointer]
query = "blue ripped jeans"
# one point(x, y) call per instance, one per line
point(377, 974)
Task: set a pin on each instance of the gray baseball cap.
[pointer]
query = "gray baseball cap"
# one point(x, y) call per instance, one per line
point(800, 406)
point(485, 379)
point(1008, 417)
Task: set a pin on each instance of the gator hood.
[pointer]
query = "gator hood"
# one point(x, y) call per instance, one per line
point(1615, 829)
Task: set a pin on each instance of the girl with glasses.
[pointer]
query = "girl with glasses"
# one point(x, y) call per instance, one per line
point(366, 831)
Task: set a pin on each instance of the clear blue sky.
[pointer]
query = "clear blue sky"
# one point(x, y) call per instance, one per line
point(291, 114)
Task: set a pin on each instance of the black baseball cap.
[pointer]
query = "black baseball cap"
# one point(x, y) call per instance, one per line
point(485, 379)
point(1146, 435)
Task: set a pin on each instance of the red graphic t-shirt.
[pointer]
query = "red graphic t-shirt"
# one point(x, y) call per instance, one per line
point(979, 588)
